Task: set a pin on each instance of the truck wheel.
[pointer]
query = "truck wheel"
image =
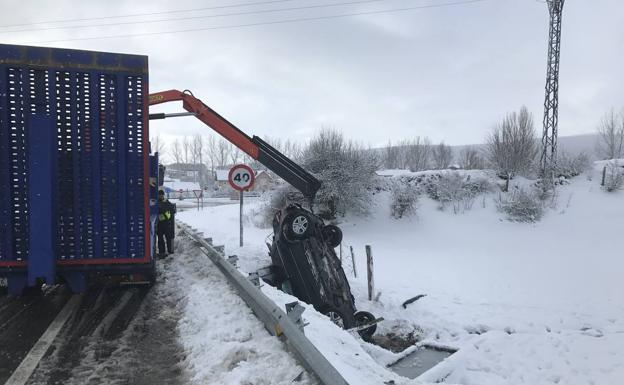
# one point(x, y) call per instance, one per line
point(296, 226)
point(363, 318)
point(332, 235)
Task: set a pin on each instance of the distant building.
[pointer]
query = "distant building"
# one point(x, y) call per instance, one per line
point(189, 172)
point(263, 182)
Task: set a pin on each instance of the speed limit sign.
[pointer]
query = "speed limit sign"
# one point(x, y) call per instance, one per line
point(241, 177)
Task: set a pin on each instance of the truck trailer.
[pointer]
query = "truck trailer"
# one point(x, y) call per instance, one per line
point(78, 186)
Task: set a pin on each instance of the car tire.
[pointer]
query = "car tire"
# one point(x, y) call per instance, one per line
point(363, 318)
point(335, 316)
point(296, 226)
point(332, 235)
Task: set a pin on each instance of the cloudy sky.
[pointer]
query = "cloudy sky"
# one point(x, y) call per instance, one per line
point(445, 72)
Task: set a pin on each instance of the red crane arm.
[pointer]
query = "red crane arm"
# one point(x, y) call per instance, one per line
point(255, 147)
point(209, 117)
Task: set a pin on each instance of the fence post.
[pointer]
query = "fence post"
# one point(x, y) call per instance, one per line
point(353, 262)
point(604, 175)
point(369, 269)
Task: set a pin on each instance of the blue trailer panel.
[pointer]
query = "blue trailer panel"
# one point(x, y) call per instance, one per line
point(74, 164)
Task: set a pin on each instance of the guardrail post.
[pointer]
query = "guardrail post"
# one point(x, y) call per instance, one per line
point(254, 278)
point(294, 312)
point(233, 260)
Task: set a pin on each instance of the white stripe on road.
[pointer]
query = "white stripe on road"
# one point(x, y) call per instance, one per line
point(29, 363)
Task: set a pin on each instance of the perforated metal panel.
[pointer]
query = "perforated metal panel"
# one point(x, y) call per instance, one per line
point(96, 105)
point(17, 134)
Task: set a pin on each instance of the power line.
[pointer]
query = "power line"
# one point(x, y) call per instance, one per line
point(285, 21)
point(317, 6)
point(150, 13)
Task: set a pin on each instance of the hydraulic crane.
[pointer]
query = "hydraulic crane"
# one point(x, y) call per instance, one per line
point(254, 146)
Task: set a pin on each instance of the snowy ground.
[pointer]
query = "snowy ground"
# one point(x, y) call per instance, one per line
point(223, 341)
point(525, 303)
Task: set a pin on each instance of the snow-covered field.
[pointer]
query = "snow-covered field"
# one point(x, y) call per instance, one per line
point(525, 303)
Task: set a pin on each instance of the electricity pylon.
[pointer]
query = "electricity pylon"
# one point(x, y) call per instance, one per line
point(551, 104)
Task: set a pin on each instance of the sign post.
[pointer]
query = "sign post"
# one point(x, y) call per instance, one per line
point(241, 178)
point(199, 195)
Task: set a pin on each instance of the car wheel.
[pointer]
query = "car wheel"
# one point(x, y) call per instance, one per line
point(333, 235)
point(336, 317)
point(296, 226)
point(363, 318)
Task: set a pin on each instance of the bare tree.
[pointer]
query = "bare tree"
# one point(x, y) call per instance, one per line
point(470, 159)
point(511, 147)
point(611, 136)
point(289, 148)
point(197, 147)
point(212, 151)
point(176, 151)
point(159, 146)
point(415, 154)
point(293, 150)
point(391, 156)
point(223, 149)
point(442, 156)
point(186, 148)
point(235, 153)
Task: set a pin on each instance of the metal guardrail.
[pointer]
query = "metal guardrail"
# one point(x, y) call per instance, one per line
point(276, 321)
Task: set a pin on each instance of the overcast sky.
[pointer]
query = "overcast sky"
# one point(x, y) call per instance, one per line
point(448, 73)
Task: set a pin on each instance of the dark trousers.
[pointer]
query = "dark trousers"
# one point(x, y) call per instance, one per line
point(165, 237)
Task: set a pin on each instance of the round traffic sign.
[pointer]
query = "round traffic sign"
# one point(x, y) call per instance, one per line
point(241, 177)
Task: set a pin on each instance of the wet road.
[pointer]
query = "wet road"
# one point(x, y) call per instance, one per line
point(117, 335)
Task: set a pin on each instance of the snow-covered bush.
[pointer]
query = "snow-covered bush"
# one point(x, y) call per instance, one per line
point(520, 205)
point(511, 147)
point(456, 190)
point(614, 177)
point(346, 170)
point(570, 166)
point(404, 200)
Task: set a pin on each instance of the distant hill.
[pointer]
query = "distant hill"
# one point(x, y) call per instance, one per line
point(574, 144)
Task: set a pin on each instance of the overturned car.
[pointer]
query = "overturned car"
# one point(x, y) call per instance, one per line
point(305, 265)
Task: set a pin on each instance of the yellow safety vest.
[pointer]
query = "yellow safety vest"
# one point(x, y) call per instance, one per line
point(165, 216)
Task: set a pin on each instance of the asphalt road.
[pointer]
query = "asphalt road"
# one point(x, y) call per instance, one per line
point(117, 335)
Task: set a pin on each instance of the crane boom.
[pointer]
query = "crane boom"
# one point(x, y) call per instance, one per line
point(254, 146)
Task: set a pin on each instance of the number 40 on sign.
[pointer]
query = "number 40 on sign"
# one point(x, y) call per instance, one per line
point(241, 177)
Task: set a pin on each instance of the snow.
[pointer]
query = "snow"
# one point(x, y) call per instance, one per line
point(224, 342)
point(178, 185)
point(524, 303)
point(222, 174)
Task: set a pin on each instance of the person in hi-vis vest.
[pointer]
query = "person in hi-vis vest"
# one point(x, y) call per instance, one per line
point(165, 228)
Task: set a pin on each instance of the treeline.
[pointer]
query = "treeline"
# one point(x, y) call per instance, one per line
point(214, 151)
point(512, 147)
